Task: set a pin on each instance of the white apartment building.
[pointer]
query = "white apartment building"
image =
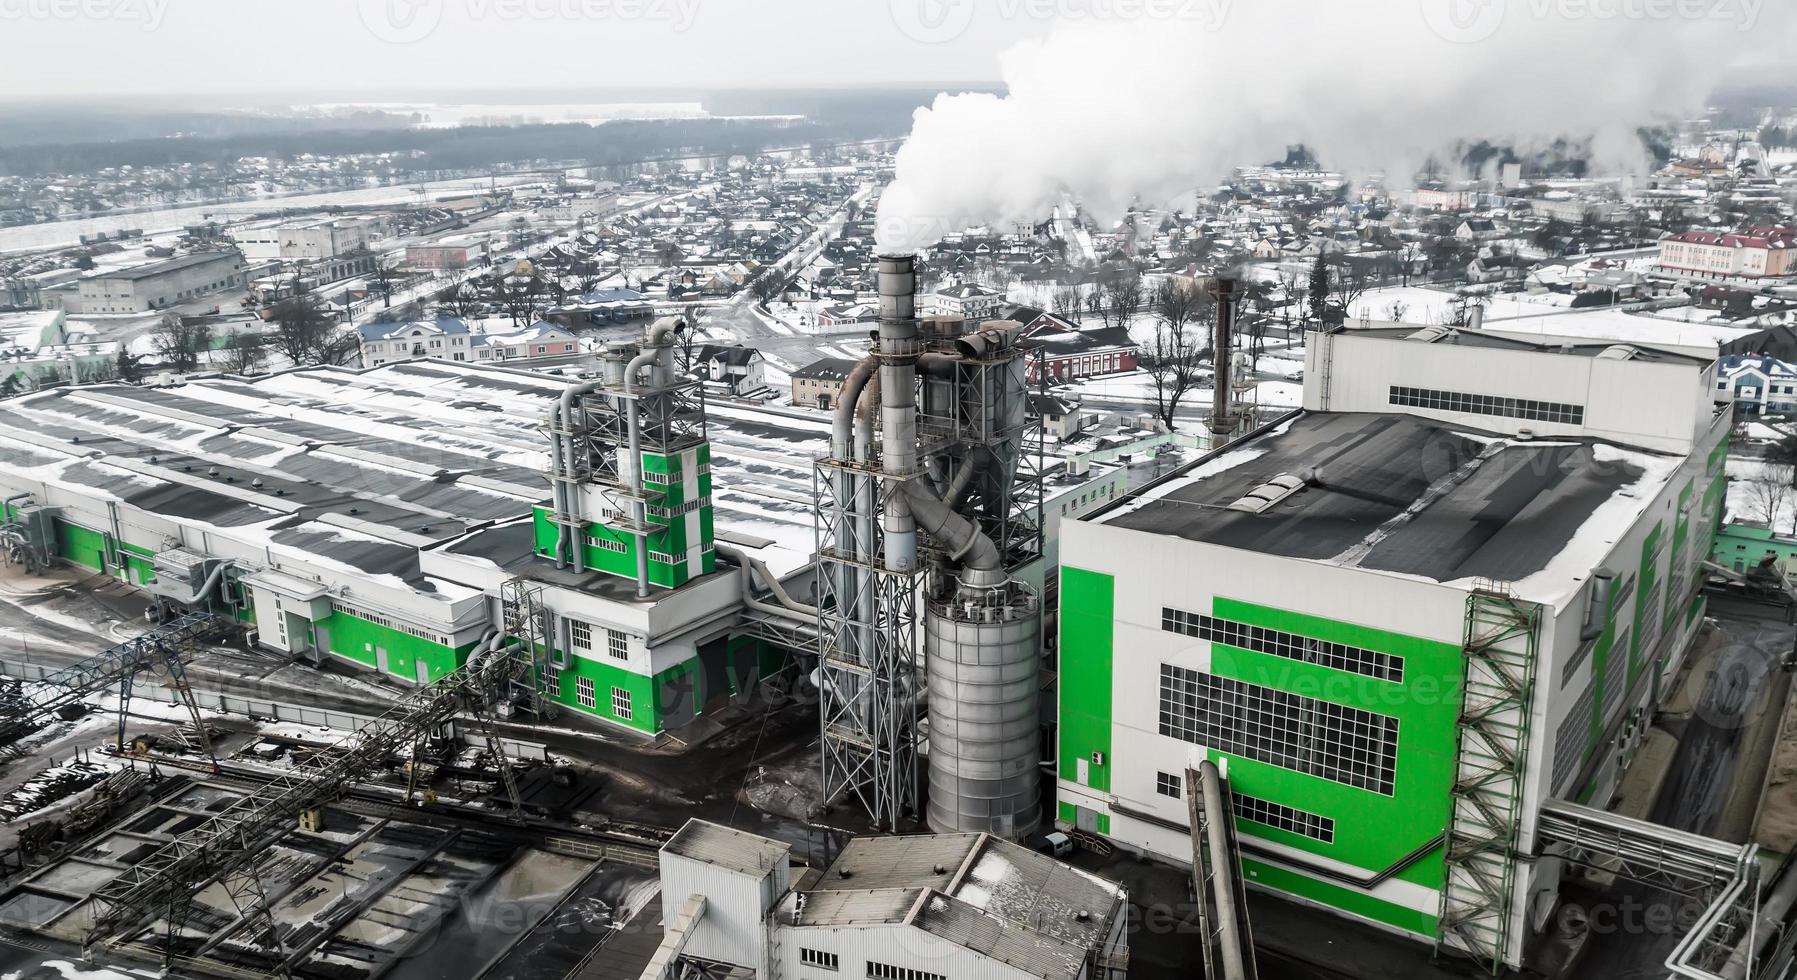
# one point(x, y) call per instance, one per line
point(1753, 253)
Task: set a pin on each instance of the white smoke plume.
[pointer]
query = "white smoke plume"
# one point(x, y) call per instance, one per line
point(1148, 109)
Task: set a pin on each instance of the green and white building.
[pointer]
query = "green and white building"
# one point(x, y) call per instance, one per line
point(1464, 547)
point(392, 519)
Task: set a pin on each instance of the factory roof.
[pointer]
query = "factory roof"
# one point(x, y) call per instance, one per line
point(1003, 901)
point(1409, 496)
point(727, 848)
point(1492, 337)
point(413, 452)
point(153, 269)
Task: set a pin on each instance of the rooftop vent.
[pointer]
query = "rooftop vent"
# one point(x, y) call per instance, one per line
point(1429, 335)
point(1267, 495)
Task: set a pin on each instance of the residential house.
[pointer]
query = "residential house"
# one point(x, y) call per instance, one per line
point(817, 384)
point(1061, 419)
point(969, 301)
point(741, 370)
point(1759, 385)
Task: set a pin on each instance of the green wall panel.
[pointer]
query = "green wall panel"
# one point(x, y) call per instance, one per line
point(1088, 629)
point(1372, 831)
point(1335, 896)
point(357, 639)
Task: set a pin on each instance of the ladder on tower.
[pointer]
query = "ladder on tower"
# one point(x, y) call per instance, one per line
point(1478, 894)
point(526, 620)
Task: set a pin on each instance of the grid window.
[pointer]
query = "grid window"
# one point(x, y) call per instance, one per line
point(583, 691)
point(1282, 817)
point(817, 958)
point(620, 704)
point(1616, 674)
point(552, 677)
point(617, 644)
point(1579, 656)
point(1649, 619)
point(1470, 404)
point(1339, 656)
point(886, 971)
point(1167, 784)
point(1319, 738)
point(1570, 739)
point(580, 635)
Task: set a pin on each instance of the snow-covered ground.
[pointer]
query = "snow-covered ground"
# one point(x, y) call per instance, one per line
point(1762, 493)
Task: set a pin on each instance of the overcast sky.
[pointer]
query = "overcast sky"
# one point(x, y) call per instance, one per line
point(226, 47)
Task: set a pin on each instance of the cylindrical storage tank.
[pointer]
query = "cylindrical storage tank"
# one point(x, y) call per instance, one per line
point(985, 742)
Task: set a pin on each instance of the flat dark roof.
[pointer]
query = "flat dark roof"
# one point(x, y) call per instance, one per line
point(1392, 493)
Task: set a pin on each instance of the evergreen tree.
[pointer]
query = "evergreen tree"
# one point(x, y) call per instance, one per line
point(127, 368)
point(1319, 289)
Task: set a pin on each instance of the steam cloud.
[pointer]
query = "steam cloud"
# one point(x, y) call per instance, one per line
point(1110, 113)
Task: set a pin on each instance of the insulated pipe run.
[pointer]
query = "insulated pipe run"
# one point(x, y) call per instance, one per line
point(753, 567)
point(657, 358)
point(983, 567)
point(1217, 820)
point(563, 500)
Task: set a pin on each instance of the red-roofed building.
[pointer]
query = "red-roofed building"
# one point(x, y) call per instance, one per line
point(1761, 252)
point(1070, 352)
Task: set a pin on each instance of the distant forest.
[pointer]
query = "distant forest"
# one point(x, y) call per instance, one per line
point(138, 141)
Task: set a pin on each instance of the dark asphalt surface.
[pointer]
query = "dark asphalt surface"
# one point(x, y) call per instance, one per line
point(1704, 773)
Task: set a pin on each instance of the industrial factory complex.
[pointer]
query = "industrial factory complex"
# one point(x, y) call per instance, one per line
point(1386, 655)
point(1450, 590)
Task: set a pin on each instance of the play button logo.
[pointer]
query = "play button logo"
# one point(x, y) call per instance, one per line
point(932, 21)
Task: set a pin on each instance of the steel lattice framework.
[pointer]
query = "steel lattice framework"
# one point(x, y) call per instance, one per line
point(1478, 898)
point(867, 663)
point(1724, 876)
point(120, 664)
point(225, 848)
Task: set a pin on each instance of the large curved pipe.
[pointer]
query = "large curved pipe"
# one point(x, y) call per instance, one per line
point(561, 498)
point(958, 535)
point(848, 399)
point(753, 567)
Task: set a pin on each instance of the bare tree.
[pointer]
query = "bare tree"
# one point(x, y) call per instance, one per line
point(1351, 284)
point(1095, 305)
point(179, 343)
point(1066, 302)
point(518, 296)
point(245, 353)
point(1172, 365)
point(384, 276)
point(685, 339)
point(1122, 289)
point(458, 298)
point(303, 329)
point(1174, 303)
point(1770, 494)
point(1395, 312)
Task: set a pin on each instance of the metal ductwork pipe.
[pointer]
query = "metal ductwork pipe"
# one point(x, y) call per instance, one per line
point(898, 351)
point(656, 358)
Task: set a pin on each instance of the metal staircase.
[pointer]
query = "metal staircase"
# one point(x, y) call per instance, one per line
point(1498, 662)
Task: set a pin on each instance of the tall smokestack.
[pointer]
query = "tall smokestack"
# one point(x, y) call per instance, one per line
point(898, 350)
point(1222, 425)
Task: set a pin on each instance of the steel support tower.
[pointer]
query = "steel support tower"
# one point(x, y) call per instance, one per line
point(1478, 912)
